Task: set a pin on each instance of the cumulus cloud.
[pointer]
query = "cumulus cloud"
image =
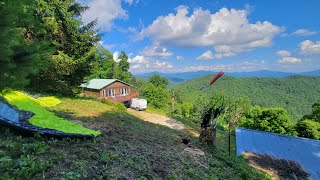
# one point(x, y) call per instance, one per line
point(287, 58)
point(156, 51)
point(283, 53)
point(106, 11)
point(202, 28)
point(142, 64)
point(310, 48)
point(304, 32)
point(206, 56)
point(290, 60)
point(179, 58)
point(116, 56)
point(138, 60)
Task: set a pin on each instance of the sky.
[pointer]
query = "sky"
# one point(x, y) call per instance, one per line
point(213, 35)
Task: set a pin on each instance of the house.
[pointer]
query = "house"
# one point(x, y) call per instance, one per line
point(111, 89)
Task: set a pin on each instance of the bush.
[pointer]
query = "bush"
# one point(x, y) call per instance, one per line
point(120, 106)
point(308, 129)
point(268, 119)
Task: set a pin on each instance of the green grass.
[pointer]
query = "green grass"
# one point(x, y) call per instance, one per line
point(42, 117)
point(128, 148)
point(50, 101)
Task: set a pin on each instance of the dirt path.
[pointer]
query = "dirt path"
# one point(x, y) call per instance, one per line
point(163, 120)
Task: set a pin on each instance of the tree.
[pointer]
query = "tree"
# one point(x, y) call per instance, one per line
point(157, 97)
point(159, 81)
point(75, 46)
point(268, 119)
point(309, 125)
point(308, 129)
point(103, 66)
point(122, 68)
point(315, 115)
point(24, 44)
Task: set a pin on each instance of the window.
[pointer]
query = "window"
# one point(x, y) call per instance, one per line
point(123, 91)
point(110, 92)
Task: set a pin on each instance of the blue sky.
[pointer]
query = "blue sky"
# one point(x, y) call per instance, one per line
point(234, 36)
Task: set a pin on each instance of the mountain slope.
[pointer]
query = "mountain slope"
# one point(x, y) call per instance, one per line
point(296, 94)
point(180, 77)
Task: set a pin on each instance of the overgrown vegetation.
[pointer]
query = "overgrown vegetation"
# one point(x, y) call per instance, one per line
point(128, 148)
point(295, 94)
point(188, 103)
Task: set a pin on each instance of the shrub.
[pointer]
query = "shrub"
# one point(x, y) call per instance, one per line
point(120, 106)
point(308, 129)
point(268, 119)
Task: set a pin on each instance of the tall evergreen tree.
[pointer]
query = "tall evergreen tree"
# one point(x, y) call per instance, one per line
point(23, 43)
point(122, 68)
point(74, 41)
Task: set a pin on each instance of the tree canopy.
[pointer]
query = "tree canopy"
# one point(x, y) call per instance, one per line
point(268, 119)
point(74, 42)
point(24, 43)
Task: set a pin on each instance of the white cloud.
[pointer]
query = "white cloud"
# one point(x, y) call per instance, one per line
point(287, 58)
point(179, 58)
point(240, 66)
point(106, 11)
point(284, 53)
point(142, 64)
point(206, 56)
point(221, 52)
point(290, 60)
point(156, 51)
point(138, 60)
point(310, 48)
point(106, 46)
point(304, 32)
point(116, 56)
point(202, 28)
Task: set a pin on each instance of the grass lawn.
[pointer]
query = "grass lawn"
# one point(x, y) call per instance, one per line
point(128, 148)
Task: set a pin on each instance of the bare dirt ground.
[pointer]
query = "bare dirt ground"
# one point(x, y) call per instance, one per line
point(277, 168)
point(163, 120)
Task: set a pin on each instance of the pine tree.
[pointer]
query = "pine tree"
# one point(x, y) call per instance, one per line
point(75, 46)
point(23, 43)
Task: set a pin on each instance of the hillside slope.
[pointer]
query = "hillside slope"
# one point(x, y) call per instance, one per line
point(296, 94)
point(128, 148)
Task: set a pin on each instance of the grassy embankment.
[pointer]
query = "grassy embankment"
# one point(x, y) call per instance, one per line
point(127, 148)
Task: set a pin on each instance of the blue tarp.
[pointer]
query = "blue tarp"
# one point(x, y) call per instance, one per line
point(304, 151)
point(8, 113)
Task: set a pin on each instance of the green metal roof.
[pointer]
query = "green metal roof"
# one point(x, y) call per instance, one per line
point(100, 83)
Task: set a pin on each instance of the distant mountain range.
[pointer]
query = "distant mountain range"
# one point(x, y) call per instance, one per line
point(180, 77)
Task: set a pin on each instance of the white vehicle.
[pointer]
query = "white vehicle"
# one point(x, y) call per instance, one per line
point(139, 104)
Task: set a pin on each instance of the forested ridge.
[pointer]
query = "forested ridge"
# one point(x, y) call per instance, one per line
point(296, 93)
